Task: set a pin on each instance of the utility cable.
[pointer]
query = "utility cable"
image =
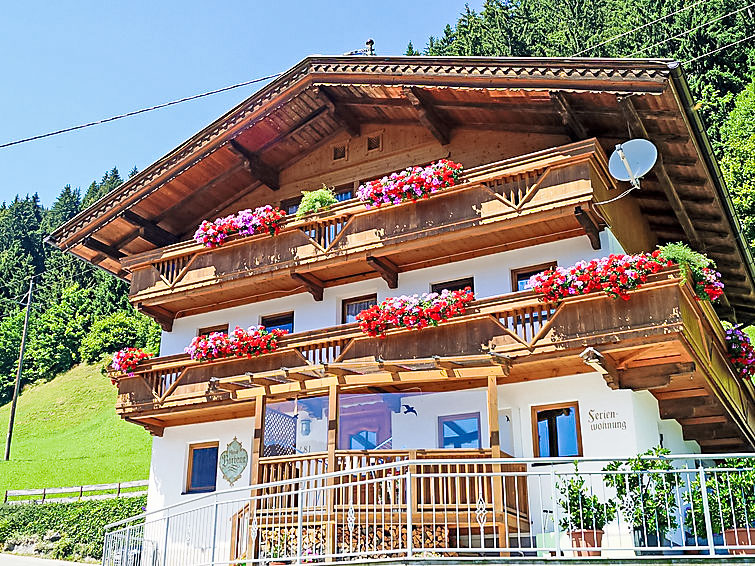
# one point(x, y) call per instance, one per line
point(140, 111)
point(643, 26)
point(687, 32)
point(719, 49)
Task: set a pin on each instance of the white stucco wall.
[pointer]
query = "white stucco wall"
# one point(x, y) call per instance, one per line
point(492, 276)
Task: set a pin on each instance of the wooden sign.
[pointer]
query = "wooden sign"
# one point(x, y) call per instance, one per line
point(233, 461)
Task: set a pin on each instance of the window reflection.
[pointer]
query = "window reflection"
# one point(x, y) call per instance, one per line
point(412, 420)
point(296, 427)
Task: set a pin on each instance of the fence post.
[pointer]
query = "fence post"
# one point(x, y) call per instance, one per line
point(165, 541)
point(300, 525)
point(124, 558)
point(214, 530)
point(706, 511)
point(409, 510)
point(556, 519)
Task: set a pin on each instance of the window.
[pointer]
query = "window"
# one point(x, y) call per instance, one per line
point(207, 330)
point(350, 308)
point(291, 205)
point(455, 285)
point(363, 440)
point(283, 321)
point(520, 277)
point(555, 430)
point(203, 465)
point(374, 142)
point(339, 152)
point(346, 194)
point(459, 431)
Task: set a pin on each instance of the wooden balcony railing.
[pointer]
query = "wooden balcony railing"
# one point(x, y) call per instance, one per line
point(512, 203)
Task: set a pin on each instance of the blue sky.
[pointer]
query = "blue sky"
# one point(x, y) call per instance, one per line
point(64, 63)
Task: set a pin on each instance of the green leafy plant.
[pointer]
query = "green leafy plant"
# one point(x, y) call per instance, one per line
point(645, 491)
point(583, 511)
point(313, 201)
point(701, 267)
point(730, 488)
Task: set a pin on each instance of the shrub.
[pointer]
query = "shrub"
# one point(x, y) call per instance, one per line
point(81, 524)
point(120, 330)
point(583, 510)
point(312, 201)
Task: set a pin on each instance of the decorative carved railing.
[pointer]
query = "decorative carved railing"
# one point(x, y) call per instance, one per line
point(487, 209)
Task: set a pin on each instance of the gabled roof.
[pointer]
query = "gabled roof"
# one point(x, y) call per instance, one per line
point(244, 150)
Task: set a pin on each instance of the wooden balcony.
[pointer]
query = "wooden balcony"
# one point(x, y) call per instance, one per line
point(663, 339)
point(519, 202)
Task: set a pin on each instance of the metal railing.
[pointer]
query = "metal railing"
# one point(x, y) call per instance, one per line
point(494, 508)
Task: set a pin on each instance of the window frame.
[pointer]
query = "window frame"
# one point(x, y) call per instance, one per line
point(438, 287)
point(549, 407)
point(361, 298)
point(531, 269)
point(278, 315)
point(190, 466)
point(459, 416)
point(207, 330)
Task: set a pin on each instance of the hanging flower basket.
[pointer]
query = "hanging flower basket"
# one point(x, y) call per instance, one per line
point(741, 353)
point(252, 342)
point(415, 311)
point(412, 184)
point(127, 359)
point(264, 219)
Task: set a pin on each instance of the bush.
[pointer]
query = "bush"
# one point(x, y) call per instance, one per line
point(312, 201)
point(81, 524)
point(120, 330)
point(582, 508)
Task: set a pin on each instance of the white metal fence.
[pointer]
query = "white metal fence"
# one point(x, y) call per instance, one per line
point(458, 508)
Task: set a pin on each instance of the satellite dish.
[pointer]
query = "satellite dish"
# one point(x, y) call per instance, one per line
point(632, 160)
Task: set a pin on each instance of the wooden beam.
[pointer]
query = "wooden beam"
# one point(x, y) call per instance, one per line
point(256, 166)
point(101, 247)
point(602, 365)
point(150, 231)
point(591, 229)
point(639, 129)
point(386, 268)
point(428, 116)
point(342, 115)
point(258, 440)
point(333, 411)
point(162, 316)
point(311, 283)
point(577, 130)
point(297, 127)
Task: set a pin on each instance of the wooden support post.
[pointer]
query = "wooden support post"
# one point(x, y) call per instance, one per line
point(591, 228)
point(331, 529)
point(258, 440)
point(498, 482)
point(577, 130)
point(386, 268)
point(311, 283)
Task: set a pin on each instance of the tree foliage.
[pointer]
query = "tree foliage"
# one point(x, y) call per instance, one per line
point(72, 299)
point(564, 28)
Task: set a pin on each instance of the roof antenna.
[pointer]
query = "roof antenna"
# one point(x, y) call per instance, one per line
point(368, 50)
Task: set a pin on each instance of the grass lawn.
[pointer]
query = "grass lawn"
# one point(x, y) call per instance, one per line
point(67, 434)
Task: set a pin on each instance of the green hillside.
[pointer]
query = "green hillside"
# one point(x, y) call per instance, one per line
point(67, 433)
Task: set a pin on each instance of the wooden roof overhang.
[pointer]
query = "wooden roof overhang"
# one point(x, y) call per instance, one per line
point(662, 340)
point(243, 152)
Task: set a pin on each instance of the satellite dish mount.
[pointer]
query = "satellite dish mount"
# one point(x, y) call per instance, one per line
point(632, 160)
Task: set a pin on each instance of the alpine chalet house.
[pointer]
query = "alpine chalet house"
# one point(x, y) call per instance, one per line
point(310, 404)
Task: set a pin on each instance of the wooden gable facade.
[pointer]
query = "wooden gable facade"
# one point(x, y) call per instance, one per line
point(533, 136)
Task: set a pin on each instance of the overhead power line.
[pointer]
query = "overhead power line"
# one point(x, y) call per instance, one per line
point(687, 32)
point(733, 43)
point(140, 111)
point(643, 26)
